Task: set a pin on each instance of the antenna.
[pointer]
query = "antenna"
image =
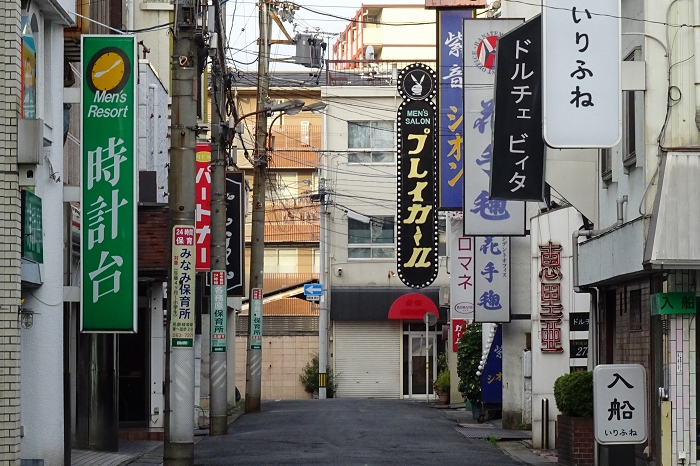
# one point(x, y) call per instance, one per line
point(369, 53)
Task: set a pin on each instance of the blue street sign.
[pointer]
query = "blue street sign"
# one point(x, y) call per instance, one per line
point(313, 289)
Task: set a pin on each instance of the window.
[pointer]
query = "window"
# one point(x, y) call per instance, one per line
point(282, 185)
point(371, 142)
point(372, 240)
point(636, 310)
point(305, 133)
point(280, 260)
point(606, 164)
point(629, 124)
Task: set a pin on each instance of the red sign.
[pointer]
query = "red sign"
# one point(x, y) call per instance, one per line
point(551, 308)
point(459, 326)
point(203, 206)
point(218, 278)
point(257, 293)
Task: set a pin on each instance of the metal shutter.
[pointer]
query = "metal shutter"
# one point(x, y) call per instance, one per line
point(367, 359)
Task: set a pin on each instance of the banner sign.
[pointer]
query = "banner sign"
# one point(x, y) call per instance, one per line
point(483, 215)
point(450, 105)
point(581, 62)
point(492, 377)
point(256, 306)
point(461, 273)
point(551, 307)
point(108, 187)
point(218, 311)
point(203, 206)
point(32, 227)
point(517, 161)
point(492, 279)
point(235, 252)
point(417, 222)
point(182, 287)
point(458, 326)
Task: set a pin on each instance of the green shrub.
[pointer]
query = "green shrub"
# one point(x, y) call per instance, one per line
point(468, 357)
point(573, 394)
point(442, 383)
point(309, 378)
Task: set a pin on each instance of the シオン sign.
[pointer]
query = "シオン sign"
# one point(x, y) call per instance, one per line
point(417, 227)
point(108, 184)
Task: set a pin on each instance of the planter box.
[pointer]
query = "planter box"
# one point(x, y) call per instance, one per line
point(575, 441)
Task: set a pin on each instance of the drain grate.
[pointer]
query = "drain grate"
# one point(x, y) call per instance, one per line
point(482, 432)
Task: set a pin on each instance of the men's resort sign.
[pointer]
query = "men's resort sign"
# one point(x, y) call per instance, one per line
point(108, 184)
point(417, 227)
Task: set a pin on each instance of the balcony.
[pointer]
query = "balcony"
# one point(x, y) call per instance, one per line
point(289, 221)
point(295, 146)
point(365, 72)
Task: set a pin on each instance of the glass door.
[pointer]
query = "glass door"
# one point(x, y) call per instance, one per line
point(416, 357)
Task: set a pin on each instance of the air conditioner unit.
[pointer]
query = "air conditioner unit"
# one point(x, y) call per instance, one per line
point(444, 296)
point(30, 141)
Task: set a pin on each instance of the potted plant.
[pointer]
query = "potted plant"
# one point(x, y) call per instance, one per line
point(573, 394)
point(309, 378)
point(468, 357)
point(442, 387)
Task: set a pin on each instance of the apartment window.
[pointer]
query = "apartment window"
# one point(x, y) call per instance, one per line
point(283, 185)
point(371, 142)
point(629, 126)
point(372, 240)
point(636, 310)
point(281, 260)
point(606, 164)
point(305, 138)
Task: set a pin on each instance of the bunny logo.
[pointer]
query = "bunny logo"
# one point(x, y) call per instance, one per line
point(417, 82)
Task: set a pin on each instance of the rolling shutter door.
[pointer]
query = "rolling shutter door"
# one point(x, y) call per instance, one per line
point(367, 359)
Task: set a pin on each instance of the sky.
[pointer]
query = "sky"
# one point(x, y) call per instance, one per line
point(242, 27)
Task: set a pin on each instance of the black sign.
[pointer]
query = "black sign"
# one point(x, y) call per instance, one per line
point(417, 222)
point(235, 253)
point(517, 158)
point(578, 321)
point(578, 349)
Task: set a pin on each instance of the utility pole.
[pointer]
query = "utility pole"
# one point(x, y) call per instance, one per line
point(179, 376)
point(257, 241)
point(323, 308)
point(218, 396)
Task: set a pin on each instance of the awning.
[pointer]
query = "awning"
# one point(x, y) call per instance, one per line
point(374, 303)
point(672, 240)
point(412, 306)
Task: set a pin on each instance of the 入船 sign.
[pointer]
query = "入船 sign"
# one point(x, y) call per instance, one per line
point(417, 223)
point(108, 186)
point(619, 400)
point(673, 303)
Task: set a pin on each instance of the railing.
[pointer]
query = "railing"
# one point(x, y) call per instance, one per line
point(365, 72)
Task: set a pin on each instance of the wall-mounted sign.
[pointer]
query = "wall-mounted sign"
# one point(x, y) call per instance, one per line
point(235, 252)
point(483, 215)
point(108, 187)
point(203, 206)
point(461, 272)
point(578, 349)
point(578, 321)
point(492, 279)
point(673, 303)
point(458, 326)
point(182, 292)
point(517, 161)
point(551, 307)
point(32, 227)
point(581, 60)
point(417, 224)
point(218, 311)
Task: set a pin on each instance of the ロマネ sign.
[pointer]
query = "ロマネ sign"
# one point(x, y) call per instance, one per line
point(461, 271)
point(581, 61)
point(517, 159)
point(417, 223)
point(108, 186)
point(32, 227)
point(673, 303)
point(620, 404)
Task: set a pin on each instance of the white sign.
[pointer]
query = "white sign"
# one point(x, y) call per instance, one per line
point(581, 61)
point(619, 400)
point(482, 215)
point(461, 273)
point(492, 279)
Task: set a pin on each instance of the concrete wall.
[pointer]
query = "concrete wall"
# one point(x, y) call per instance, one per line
point(152, 127)
point(148, 14)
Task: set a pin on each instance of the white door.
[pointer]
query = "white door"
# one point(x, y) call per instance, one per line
point(416, 355)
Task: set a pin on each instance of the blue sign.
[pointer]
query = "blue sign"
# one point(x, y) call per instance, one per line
point(313, 289)
point(492, 378)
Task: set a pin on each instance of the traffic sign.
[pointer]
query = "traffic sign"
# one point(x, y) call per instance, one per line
point(619, 400)
point(313, 289)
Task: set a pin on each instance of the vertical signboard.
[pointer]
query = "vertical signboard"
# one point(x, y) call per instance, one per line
point(517, 159)
point(256, 315)
point(458, 326)
point(483, 215)
point(581, 60)
point(551, 307)
point(620, 404)
point(450, 107)
point(235, 255)
point(461, 273)
point(32, 227)
point(492, 377)
point(108, 187)
point(182, 287)
point(417, 223)
point(218, 311)
point(28, 76)
point(492, 279)
point(203, 206)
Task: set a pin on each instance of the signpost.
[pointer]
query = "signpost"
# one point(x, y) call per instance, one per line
point(620, 400)
point(313, 291)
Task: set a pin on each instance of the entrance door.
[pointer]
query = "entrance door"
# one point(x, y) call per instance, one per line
point(415, 358)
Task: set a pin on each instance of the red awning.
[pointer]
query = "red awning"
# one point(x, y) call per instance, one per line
point(412, 306)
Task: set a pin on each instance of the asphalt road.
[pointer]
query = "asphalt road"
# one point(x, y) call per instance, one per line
point(346, 432)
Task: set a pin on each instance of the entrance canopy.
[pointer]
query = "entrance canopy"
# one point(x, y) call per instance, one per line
point(412, 306)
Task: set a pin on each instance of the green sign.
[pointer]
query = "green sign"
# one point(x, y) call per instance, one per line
point(108, 184)
point(32, 231)
point(182, 286)
point(256, 305)
point(218, 311)
point(673, 303)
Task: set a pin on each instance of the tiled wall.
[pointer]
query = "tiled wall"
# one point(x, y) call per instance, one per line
point(682, 388)
point(284, 357)
point(9, 232)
